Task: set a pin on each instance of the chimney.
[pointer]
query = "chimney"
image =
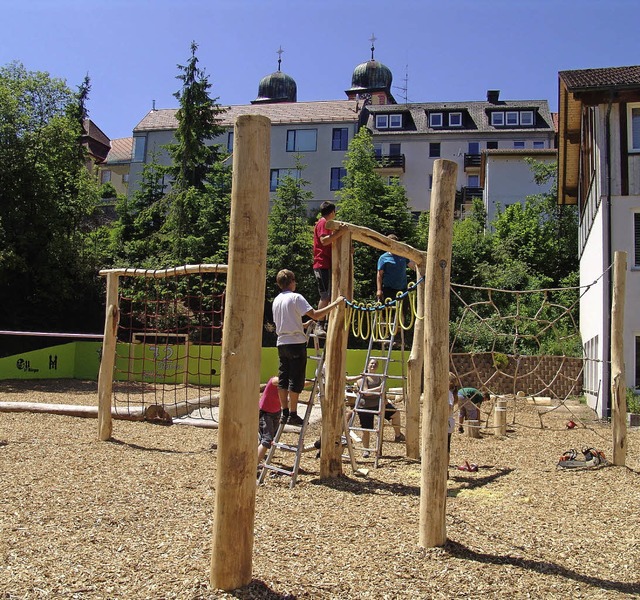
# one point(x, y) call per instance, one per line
point(492, 96)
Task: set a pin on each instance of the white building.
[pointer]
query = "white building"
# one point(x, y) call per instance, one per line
point(599, 170)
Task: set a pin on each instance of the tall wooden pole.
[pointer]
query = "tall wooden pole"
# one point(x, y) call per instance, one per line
point(414, 373)
point(435, 458)
point(336, 360)
point(107, 360)
point(234, 512)
point(618, 382)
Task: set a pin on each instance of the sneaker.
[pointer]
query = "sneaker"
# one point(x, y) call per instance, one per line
point(461, 429)
point(319, 331)
point(400, 438)
point(317, 444)
point(295, 420)
point(366, 454)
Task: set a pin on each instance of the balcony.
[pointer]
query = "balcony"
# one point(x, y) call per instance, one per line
point(469, 193)
point(390, 164)
point(472, 162)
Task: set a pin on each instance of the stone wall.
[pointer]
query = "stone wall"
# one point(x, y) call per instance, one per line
point(554, 376)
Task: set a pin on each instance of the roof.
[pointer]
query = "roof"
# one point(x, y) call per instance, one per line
point(476, 116)
point(338, 111)
point(94, 132)
point(120, 151)
point(605, 78)
point(521, 151)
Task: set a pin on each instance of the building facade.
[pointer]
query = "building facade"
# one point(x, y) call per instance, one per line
point(599, 170)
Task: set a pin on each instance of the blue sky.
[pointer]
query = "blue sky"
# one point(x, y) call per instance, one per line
point(447, 50)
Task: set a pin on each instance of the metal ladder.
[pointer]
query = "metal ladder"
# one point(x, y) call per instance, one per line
point(384, 357)
point(298, 446)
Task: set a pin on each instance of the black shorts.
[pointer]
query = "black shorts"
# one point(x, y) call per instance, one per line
point(323, 279)
point(366, 418)
point(293, 367)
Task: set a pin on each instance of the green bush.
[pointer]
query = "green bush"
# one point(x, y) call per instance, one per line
point(633, 401)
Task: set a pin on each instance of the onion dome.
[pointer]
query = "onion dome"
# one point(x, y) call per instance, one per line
point(371, 75)
point(277, 87)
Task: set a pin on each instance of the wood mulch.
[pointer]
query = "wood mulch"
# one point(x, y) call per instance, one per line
point(132, 518)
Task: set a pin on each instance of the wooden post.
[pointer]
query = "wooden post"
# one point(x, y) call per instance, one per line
point(618, 382)
point(336, 360)
point(500, 417)
point(108, 358)
point(472, 427)
point(414, 373)
point(234, 512)
point(435, 415)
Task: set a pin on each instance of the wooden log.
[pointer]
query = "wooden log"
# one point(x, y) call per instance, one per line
point(108, 359)
point(336, 360)
point(163, 273)
point(235, 488)
point(415, 365)
point(380, 241)
point(179, 409)
point(618, 383)
point(500, 417)
point(435, 416)
point(472, 427)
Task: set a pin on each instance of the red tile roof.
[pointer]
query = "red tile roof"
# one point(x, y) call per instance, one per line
point(609, 77)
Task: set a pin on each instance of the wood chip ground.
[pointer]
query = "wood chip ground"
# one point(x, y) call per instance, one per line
point(132, 518)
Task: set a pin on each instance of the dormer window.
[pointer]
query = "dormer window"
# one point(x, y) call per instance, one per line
point(395, 121)
point(526, 118)
point(382, 121)
point(497, 119)
point(511, 119)
point(455, 119)
point(435, 119)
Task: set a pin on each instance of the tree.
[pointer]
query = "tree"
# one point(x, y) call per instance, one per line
point(290, 241)
point(367, 201)
point(46, 198)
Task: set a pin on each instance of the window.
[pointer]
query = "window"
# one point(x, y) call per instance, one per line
point(434, 150)
point(430, 181)
point(340, 139)
point(474, 148)
point(395, 121)
point(497, 118)
point(277, 175)
point(538, 145)
point(455, 119)
point(435, 119)
point(526, 118)
point(395, 149)
point(473, 181)
point(377, 150)
point(337, 174)
point(382, 121)
point(492, 145)
point(302, 140)
point(633, 124)
point(636, 238)
point(125, 178)
point(518, 145)
point(139, 143)
point(511, 119)
point(230, 141)
point(105, 176)
point(637, 362)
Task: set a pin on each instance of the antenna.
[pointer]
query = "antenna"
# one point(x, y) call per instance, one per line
point(405, 87)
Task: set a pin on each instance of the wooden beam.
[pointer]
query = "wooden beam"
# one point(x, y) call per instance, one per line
point(618, 383)
point(235, 486)
point(382, 242)
point(435, 414)
point(108, 359)
point(336, 360)
point(415, 365)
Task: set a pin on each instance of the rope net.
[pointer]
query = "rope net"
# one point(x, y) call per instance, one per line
point(168, 343)
point(524, 346)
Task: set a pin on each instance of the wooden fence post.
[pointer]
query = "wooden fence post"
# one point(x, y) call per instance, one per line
point(336, 360)
point(107, 360)
point(435, 458)
point(500, 417)
point(235, 489)
point(618, 382)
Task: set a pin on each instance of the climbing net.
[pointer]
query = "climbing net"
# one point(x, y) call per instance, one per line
point(168, 341)
point(524, 346)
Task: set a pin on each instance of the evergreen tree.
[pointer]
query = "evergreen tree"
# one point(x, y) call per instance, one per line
point(367, 201)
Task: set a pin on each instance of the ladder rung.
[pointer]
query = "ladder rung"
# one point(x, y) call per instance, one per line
point(284, 446)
